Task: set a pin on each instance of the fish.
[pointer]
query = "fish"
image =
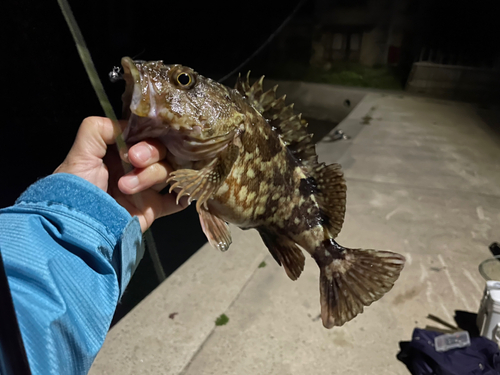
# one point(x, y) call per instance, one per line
point(247, 158)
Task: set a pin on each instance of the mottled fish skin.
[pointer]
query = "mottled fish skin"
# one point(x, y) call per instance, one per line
point(247, 159)
point(264, 186)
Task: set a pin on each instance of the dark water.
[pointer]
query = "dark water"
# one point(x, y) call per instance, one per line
point(320, 128)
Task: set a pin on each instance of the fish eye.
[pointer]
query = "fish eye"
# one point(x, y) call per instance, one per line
point(184, 79)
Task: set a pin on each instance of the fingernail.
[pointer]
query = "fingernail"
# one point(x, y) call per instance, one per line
point(142, 153)
point(131, 181)
point(124, 154)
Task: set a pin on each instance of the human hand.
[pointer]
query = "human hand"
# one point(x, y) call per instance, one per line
point(91, 159)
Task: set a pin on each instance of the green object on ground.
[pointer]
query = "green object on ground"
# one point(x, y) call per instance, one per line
point(221, 320)
point(262, 264)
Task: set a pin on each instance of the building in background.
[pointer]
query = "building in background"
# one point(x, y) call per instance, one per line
point(438, 47)
point(370, 32)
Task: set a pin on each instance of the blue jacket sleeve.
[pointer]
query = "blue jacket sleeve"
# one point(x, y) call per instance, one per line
point(69, 251)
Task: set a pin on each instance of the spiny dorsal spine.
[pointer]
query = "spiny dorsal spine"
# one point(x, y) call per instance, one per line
point(291, 127)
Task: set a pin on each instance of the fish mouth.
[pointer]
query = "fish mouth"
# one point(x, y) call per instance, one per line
point(149, 117)
point(133, 78)
point(139, 104)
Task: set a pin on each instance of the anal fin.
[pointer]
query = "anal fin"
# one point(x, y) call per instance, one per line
point(353, 278)
point(285, 252)
point(216, 230)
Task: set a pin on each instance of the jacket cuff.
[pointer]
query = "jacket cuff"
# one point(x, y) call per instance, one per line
point(76, 193)
point(63, 191)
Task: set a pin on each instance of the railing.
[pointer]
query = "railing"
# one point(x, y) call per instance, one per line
point(454, 81)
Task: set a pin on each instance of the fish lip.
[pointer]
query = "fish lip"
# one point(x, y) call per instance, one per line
point(140, 126)
point(132, 94)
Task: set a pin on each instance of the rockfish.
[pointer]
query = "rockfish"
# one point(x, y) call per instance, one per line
point(247, 159)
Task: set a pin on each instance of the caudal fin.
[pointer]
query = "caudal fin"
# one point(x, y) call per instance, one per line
point(354, 280)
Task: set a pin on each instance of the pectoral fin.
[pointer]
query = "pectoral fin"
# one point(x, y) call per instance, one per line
point(200, 185)
point(210, 148)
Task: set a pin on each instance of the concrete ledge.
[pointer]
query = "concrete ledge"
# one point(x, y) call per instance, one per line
point(454, 81)
point(163, 332)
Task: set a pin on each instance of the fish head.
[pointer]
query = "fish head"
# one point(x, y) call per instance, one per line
point(177, 105)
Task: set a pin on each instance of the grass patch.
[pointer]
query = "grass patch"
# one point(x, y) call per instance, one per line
point(341, 73)
point(262, 264)
point(366, 120)
point(221, 320)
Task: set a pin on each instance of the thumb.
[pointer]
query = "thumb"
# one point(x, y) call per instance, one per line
point(94, 135)
point(85, 157)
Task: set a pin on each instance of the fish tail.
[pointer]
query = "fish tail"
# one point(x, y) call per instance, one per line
point(353, 278)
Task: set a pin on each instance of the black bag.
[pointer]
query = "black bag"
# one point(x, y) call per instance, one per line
point(482, 357)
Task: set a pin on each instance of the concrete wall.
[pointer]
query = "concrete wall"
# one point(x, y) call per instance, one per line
point(454, 82)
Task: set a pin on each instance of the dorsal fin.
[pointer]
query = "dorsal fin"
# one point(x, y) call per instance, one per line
point(291, 127)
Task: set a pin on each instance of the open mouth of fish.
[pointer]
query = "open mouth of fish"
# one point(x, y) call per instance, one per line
point(149, 115)
point(140, 125)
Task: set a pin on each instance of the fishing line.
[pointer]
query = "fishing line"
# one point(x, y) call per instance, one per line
point(268, 40)
point(84, 54)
